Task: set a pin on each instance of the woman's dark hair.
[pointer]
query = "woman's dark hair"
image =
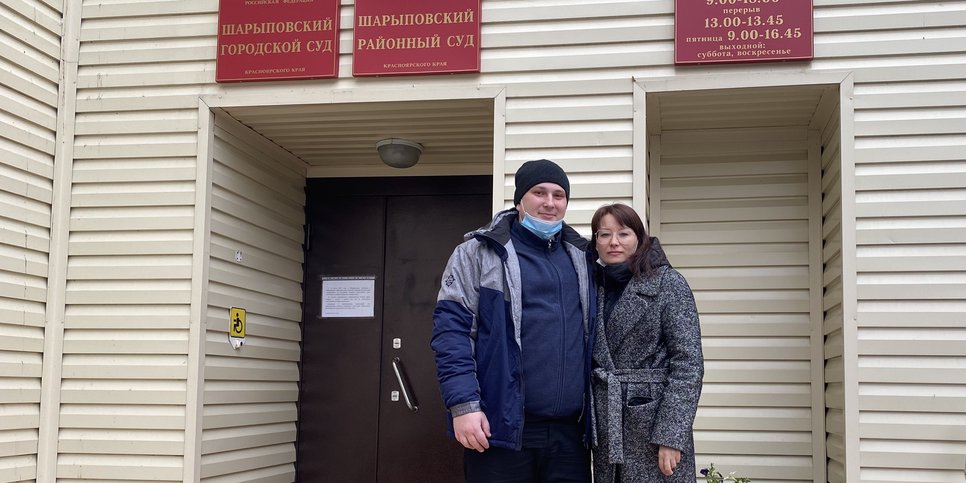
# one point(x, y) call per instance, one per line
point(626, 216)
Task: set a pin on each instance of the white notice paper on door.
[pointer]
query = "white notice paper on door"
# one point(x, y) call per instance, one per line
point(348, 297)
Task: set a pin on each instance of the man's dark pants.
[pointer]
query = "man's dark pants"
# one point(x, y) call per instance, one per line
point(553, 452)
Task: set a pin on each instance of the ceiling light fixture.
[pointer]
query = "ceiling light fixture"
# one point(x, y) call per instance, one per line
point(399, 153)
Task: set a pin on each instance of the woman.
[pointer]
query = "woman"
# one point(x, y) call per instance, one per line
point(647, 360)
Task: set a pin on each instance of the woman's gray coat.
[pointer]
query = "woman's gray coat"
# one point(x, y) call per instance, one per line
point(647, 377)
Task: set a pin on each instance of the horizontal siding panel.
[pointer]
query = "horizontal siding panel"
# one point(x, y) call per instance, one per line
point(929, 15)
point(15, 416)
point(121, 442)
point(20, 364)
point(91, 391)
point(248, 213)
point(27, 160)
point(18, 468)
point(607, 137)
point(584, 33)
point(146, 242)
point(101, 366)
point(21, 338)
point(734, 232)
point(117, 416)
point(18, 442)
point(114, 467)
point(228, 415)
point(246, 459)
point(29, 58)
point(22, 312)
point(721, 187)
point(24, 108)
point(131, 102)
point(152, 9)
point(248, 369)
point(141, 316)
point(135, 53)
point(127, 342)
point(46, 17)
point(753, 419)
point(199, 74)
point(934, 398)
point(911, 427)
point(754, 325)
point(911, 180)
point(126, 195)
point(751, 302)
point(133, 171)
point(132, 218)
point(752, 349)
point(755, 395)
point(129, 267)
point(19, 390)
point(514, 11)
point(186, 26)
point(130, 292)
point(747, 278)
point(284, 473)
point(230, 439)
point(765, 443)
point(165, 122)
point(756, 371)
point(714, 165)
point(234, 392)
point(28, 83)
point(757, 210)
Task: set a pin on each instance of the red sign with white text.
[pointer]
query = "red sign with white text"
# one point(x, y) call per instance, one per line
point(718, 31)
point(393, 37)
point(277, 39)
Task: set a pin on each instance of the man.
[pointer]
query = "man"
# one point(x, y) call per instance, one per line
point(512, 332)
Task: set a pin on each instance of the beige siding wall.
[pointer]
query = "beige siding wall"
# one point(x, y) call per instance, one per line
point(30, 32)
point(250, 394)
point(567, 69)
point(739, 232)
point(832, 327)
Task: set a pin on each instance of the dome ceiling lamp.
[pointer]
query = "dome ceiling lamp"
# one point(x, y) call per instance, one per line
point(398, 152)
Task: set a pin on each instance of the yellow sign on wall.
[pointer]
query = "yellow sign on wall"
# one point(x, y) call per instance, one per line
point(236, 322)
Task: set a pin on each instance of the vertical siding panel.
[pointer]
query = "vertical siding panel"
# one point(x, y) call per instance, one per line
point(250, 394)
point(30, 35)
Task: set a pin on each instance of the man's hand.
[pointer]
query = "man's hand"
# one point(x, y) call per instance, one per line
point(471, 430)
point(668, 459)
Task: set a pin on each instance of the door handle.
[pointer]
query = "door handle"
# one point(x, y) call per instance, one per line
point(408, 397)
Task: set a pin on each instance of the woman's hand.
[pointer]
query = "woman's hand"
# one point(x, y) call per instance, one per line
point(668, 459)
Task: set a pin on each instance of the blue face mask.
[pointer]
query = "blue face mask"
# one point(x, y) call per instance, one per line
point(541, 228)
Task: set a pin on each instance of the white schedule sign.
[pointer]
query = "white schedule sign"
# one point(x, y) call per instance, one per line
point(348, 297)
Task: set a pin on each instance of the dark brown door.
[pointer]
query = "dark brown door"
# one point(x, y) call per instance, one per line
point(355, 424)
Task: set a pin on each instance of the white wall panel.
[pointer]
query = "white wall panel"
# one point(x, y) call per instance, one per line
point(250, 394)
point(30, 33)
point(740, 235)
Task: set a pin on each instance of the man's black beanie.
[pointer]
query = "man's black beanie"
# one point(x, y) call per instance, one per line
point(533, 173)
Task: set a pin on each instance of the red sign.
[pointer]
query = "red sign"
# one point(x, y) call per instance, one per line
point(393, 37)
point(715, 31)
point(277, 39)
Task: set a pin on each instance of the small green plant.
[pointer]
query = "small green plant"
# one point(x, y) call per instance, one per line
point(712, 475)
